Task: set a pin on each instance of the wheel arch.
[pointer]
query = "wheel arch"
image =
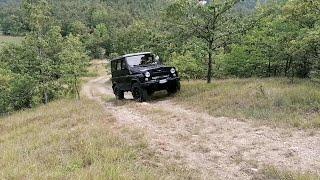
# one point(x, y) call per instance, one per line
point(134, 81)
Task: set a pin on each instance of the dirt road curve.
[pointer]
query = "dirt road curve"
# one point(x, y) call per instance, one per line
point(217, 148)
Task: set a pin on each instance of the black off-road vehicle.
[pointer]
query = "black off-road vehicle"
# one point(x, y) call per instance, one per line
point(142, 74)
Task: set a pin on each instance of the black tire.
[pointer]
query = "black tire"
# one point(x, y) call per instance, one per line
point(139, 94)
point(178, 86)
point(118, 93)
point(150, 93)
point(174, 89)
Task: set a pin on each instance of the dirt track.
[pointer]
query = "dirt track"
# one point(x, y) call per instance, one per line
point(217, 148)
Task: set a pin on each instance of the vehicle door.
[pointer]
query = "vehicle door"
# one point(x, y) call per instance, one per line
point(116, 71)
point(125, 74)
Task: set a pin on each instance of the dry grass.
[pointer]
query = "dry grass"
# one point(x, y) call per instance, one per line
point(272, 101)
point(72, 140)
point(273, 173)
point(98, 68)
point(9, 39)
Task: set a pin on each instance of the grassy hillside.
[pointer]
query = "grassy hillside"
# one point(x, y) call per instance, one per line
point(71, 139)
point(272, 101)
point(9, 39)
point(276, 174)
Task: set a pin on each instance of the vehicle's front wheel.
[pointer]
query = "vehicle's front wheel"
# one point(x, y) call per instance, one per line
point(139, 94)
point(174, 88)
point(118, 93)
point(150, 92)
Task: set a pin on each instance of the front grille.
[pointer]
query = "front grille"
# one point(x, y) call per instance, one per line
point(160, 73)
point(160, 77)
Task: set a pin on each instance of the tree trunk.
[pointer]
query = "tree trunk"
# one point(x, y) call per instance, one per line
point(209, 75)
point(289, 67)
point(286, 68)
point(46, 99)
point(269, 68)
point(76, 87)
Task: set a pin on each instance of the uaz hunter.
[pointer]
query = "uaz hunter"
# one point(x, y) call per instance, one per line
point(142, 74)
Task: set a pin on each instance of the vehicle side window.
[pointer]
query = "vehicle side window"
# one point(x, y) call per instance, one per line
point(123, 65)
point(113, 65)
point(118, 65)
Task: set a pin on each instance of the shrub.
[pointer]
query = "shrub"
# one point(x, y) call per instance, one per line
point(188, 66)
point(16, 91)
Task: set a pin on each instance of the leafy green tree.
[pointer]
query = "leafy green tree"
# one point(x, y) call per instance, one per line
point(12, 19)
point(22, 92)
point(16, 91)
point(78, 28)
point(98, 43)
point(284, 43)
point(212, 23)
point(305, 47)
point(75, 61)
point(188, 66)
point(134, 38)
point(44, 66)
point(5, 78)
point(43, 42)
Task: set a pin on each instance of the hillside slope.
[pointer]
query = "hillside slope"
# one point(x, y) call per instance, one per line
point(72, 140)
point(212, 146)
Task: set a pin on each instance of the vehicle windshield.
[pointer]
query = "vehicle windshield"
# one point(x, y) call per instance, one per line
point(141, 60)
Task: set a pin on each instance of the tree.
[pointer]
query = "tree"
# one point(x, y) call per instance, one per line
point(285, 42)
point(213, 23)
point(12, 19)
point(305, 46)
point(189, 67)
point(40, 21)
point(5, 78)
point(98, 42)
point(75, 61)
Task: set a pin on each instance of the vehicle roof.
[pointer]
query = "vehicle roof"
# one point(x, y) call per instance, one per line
point(133, 54)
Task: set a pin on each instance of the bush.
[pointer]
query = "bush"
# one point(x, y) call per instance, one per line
point(5, 77)
point(188, 66)
point(98, 43)
point(22, 92)
point(240, 62)
point(16, 91)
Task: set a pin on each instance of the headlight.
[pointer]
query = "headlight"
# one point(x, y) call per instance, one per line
point(147, 74)
point(173, 70)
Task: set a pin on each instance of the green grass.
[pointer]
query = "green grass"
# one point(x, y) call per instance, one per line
point(9, 39)
point(73, 140)
point(271, 101)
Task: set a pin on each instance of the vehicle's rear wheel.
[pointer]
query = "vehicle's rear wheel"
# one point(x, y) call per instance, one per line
point(139, 94)
point(118, 93)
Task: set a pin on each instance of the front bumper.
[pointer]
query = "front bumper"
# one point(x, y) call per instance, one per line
point(161, 84)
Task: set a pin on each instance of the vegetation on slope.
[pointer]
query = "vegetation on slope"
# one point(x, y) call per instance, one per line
point(276, 174)
point(271, 101)
point(9, 39)
point(222, 39)
point(264, 39)
point(72, 140)
point(44, 67)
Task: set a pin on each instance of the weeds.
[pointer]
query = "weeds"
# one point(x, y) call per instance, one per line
point(9, 39)
point(68, 139)
point(272, 101)
point(273, 173)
